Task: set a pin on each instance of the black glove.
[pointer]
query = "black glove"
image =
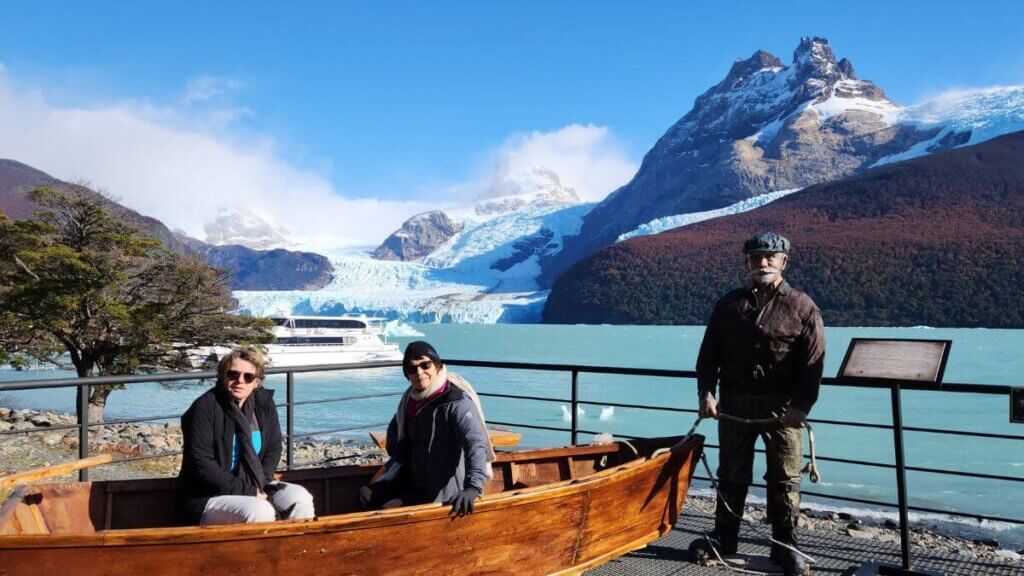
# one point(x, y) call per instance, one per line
point(463, 503)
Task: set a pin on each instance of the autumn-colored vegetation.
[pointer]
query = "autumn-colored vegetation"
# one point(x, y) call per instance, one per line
point(937, 240)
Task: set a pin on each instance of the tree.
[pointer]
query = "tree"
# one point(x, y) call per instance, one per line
point(79, 288)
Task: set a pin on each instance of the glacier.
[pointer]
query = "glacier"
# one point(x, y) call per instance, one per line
point(980, 114)
point(484, 274)
point(675, 221)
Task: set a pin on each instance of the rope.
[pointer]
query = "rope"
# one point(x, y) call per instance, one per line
point(812, 467)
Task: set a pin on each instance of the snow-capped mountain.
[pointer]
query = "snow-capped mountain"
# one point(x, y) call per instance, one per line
point(768, 127)
point(244, 228)
point(766, 130)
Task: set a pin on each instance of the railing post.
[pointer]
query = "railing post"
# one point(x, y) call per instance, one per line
point(83, 429)
point(575, 405)
point(290, 414)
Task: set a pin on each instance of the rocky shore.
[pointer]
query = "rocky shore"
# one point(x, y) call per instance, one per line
point(48, 444)
point(880, 531)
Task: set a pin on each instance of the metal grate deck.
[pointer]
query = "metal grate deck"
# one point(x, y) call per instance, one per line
point(836, 554)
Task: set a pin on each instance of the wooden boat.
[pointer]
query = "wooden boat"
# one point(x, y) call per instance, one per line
point(548, 511)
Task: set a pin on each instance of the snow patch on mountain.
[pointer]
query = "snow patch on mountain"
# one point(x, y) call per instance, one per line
point(962, 118)
point(242, 227)
point(490, 248)
point(668, 222)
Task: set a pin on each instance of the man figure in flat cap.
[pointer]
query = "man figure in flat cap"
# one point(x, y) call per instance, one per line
point(764, 350)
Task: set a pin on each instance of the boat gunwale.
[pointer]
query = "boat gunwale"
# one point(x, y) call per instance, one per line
point(343, 522)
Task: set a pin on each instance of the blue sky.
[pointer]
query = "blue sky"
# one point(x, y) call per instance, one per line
point(402, 101)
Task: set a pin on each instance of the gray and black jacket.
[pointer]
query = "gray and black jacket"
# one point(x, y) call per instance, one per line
point(447, 448)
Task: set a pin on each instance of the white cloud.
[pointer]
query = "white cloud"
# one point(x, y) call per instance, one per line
point(206, 88)
point(587, 158)
point(184, 165)
point(155, 161)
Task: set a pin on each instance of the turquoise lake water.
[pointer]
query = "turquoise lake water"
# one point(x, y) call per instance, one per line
point(977, 356)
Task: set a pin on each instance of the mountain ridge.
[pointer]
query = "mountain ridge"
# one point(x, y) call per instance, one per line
point(249, 268)
point(936, 240)
point(767, 127)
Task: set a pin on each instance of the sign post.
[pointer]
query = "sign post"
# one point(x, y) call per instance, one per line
point(893, 362)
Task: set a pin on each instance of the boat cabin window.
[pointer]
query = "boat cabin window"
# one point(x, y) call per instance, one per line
point(323, 323)
point(344, 340)
point(279, 321)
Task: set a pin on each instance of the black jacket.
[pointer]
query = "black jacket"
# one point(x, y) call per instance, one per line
point(208, 435)
point(776, 351)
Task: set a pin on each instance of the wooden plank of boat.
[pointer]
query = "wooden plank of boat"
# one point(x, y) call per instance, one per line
point(51, 471)
point(589, 505)
point(500, 438)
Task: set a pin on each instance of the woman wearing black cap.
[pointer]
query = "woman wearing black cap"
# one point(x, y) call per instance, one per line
point(437, 440)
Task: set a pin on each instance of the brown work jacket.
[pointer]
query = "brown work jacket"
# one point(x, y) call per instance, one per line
point(778, 350)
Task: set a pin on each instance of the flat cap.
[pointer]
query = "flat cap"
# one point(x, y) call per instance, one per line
point(766, 242)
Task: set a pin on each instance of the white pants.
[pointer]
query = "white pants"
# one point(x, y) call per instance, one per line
point(291, 501)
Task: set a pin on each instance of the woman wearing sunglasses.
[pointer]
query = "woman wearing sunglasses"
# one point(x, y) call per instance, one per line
point(232, 446)
point(437, 440)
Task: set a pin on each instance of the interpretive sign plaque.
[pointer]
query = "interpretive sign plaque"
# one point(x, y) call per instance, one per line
point(1017, 405)
point(895, 359)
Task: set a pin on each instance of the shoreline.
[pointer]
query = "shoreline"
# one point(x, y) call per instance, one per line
point(44, 447)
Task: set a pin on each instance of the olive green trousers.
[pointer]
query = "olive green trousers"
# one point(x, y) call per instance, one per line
point(784, 452)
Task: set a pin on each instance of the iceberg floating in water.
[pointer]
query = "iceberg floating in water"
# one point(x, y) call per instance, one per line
point(567, 414)
point(606, 413)
point(396, 328)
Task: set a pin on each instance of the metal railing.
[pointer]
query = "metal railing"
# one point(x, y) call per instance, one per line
point(894, 387)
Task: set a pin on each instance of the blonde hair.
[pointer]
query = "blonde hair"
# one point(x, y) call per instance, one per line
point(251, 355)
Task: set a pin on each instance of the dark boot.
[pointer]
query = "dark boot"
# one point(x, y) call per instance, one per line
point(727, 526)
point(702, 550)
point(784, 513)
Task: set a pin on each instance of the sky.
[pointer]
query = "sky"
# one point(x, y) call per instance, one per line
point(352, 116)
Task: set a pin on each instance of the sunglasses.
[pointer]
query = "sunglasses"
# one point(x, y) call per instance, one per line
point(413, 368)
point(247, 377)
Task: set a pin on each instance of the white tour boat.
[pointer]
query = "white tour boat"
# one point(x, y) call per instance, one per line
point(309, 340)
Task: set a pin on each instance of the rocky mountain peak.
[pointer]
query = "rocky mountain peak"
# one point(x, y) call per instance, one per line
point(418, 236)
point(743, 68)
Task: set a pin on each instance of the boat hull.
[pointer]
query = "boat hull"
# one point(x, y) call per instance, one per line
point(562, 528)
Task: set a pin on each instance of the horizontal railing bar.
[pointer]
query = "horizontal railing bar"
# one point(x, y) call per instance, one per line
point(807, 493)
point(626, 436)
point(911, 468)
point(638, 406)
point(132, 420)
point(146, 457)
point(178, 376)
point(539, 398)
point(39, 429)
point(965, 433)
point(339, 399)
point(692, 374)
point(333, 430)
point(997, 389)
point(532, 426)
point(893, 505)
